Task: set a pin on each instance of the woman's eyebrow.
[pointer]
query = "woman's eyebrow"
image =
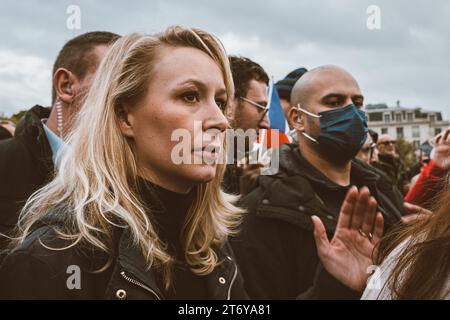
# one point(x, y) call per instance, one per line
point(201, 85)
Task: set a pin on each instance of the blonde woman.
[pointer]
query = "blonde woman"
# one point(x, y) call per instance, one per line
point(122, 220)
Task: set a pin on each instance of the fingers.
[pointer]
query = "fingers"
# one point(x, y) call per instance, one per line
point(442, 138)
point(437, 139)
point(252, 171)
point(369, 218)
point(446, 136)
point(378, 228)
point(415, 209)
point(320, 236)
point(347, 208)
point(411, 208)
point(360, 208)
point(413, 218)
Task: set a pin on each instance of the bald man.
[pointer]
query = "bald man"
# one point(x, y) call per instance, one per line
point(275, 249)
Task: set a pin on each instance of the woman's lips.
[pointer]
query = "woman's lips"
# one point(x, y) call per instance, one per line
point(209, 152)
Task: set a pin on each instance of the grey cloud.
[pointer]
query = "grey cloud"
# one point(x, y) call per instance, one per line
point(407, 59)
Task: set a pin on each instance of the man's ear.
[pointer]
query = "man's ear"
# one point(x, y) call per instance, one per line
point(66, 85)
point(125, 121)
point(297, 119)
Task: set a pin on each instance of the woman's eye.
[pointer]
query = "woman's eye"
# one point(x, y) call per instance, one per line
point(191, 97)
point(221, 103)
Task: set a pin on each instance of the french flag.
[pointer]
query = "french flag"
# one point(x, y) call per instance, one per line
point(277, 135)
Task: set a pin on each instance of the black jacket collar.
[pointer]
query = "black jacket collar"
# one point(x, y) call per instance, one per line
point(31, 130)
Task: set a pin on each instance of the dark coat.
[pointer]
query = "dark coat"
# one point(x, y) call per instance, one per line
point(277, 232)
point(32, 271)
point(25, 166)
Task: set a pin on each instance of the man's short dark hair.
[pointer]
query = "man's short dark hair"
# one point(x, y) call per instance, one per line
point(77, 54)
point(244, 70)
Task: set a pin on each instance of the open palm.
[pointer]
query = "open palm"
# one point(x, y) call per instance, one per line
point(349, 254)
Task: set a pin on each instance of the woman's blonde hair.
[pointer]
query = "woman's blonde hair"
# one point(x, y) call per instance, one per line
point(97, 177)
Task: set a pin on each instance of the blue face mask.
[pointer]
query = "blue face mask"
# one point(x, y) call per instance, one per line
point(343, 132)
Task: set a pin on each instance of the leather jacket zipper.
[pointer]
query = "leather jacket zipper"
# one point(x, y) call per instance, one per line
point(139, 284)
point(232, 281)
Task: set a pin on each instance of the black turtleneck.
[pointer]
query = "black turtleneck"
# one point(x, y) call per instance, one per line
point(168, 212)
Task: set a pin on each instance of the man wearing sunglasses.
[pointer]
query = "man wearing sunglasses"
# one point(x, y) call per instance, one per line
point(390, 163)
point(248, 111)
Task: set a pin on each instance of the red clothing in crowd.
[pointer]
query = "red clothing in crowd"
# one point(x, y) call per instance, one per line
point(427, 186)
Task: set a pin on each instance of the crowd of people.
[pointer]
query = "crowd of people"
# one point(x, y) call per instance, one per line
point(89, 184)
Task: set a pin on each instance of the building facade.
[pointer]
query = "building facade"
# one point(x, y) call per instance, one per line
point(412, 124)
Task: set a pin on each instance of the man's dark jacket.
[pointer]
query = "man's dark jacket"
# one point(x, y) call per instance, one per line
point(25, 166)
point(275, 249)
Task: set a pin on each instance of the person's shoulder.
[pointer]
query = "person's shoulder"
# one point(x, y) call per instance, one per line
point(16, 165)
point(40, 243)
point(46, 247)
point(373, 169)
point(12, 150)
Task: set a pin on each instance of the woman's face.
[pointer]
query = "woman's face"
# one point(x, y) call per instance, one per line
point(186, 85)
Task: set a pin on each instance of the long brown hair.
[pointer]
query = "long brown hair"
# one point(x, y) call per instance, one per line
point(422, 269)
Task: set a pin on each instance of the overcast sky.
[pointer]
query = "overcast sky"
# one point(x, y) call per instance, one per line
point(408, 59)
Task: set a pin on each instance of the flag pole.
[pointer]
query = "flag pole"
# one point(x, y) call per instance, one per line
point(263, 134)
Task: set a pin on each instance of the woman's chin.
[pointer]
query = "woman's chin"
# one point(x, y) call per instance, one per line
point(202, 173)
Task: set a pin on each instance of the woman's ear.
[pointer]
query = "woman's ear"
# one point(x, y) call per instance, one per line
point(125, 121)
point(296, 119)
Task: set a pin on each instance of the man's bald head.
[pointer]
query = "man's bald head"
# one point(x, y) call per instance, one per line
point(328, 85)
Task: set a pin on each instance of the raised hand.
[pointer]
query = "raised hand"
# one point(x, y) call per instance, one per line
point(348, 255)
point(442, 150)
point(249, 177)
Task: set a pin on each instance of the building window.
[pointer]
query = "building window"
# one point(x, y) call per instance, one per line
point(416, 144)
point(437, 131)
point(399, 132)
point(387, 118)
point(384, 130)
point(375, 116)
point(398, 117)
point(432, 118)
point(415, 132)
point(409, 117)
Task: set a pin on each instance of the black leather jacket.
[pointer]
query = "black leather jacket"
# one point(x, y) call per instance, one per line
point(33, 271)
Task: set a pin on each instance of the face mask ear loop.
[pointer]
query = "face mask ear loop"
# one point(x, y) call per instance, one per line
point(312, 115)
point(308, 113)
